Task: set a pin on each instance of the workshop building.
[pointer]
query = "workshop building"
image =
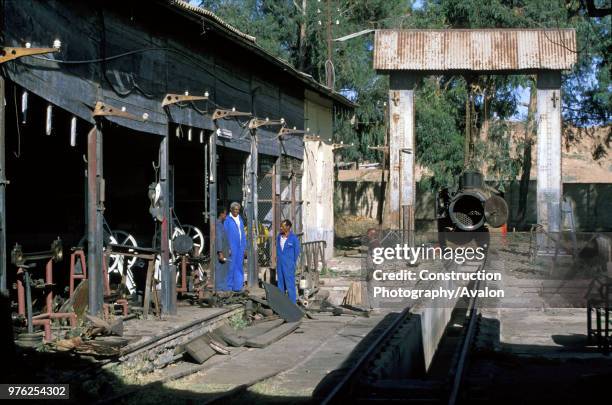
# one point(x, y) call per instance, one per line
point(144, 118)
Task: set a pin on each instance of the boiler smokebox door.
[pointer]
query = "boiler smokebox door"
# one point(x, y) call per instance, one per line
point(496, 211)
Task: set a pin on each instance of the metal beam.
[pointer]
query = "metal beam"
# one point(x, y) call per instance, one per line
point(168, 273)
point(212, 196)
point(3, 183)
point(94, 223)
point(252, 214)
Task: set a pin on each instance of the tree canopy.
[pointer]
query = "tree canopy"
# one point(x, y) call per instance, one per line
point(296, 30)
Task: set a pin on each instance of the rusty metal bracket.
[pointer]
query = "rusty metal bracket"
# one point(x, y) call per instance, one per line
point(102, 109)
point(177, 98)
point(9, 53)
point(289, 131)
point(256, 123)
point(220, 114)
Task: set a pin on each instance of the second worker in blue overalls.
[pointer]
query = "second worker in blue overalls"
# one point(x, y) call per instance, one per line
point(287, 253)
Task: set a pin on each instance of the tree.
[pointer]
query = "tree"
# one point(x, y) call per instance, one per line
point(295, 30)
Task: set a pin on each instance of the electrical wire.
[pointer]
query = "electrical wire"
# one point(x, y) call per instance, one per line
point(190, 58)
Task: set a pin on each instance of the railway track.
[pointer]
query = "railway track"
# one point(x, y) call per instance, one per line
point(379, 375)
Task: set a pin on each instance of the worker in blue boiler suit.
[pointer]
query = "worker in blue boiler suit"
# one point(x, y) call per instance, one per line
point(287, 253)
point(234, 229)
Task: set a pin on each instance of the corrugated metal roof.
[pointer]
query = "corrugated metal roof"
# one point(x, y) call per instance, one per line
point(478, 50)
point(210, 15)
point(249, 42)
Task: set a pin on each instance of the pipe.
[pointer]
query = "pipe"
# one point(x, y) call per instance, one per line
point(28, 294)
point(212, 203)
point(49, 120)
point(252, 253)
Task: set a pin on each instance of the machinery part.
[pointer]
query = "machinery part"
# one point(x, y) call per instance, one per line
point(171, 98)
point(55, 253)
point(222, 114)
point(155, 195)
point(117, 261)
point(102, 109)
point(9, 53)
point(182, 244)
point(466, 210)
point(196, 236)
point(471, 206)
point(496, 211)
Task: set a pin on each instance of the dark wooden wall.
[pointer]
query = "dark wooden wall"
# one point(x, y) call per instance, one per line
point(180, 54)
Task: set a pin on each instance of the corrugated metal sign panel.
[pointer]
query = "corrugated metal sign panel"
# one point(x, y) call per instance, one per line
point(478, 50)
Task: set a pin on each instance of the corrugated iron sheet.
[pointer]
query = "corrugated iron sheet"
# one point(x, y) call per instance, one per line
point(478, 50)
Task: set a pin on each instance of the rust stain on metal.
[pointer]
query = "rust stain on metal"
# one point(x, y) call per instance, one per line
point(477, 50)
point(396, 98)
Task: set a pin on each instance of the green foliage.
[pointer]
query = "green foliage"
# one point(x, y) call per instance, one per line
point(440, 140)
point(297, 34)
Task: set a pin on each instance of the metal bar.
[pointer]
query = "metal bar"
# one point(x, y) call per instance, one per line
point(252, 214)
point(3, 183)
point(212, 195)
point(95, 270)
point(28, 284)
point(465, 347)
point(167, 275)
point(292, 185)
point(275, 213)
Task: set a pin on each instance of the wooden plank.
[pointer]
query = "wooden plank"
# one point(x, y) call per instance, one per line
point(199, 349)
point(272, 336)
point(229, 335)
point(251, 332)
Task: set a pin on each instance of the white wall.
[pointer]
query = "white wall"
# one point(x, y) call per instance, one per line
point(318, 194)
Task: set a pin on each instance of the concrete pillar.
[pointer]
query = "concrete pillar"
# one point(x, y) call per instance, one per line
point(400, 192)
point(549, 182)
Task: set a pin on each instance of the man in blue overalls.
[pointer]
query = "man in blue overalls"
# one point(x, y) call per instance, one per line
point(234, 230)
point(287, 253)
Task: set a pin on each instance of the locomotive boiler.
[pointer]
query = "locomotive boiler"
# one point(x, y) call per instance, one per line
point(470, 207)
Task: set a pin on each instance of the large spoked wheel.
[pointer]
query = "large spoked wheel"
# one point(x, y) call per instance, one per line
point(197, 236)
point(198, 242)
point(119, 263)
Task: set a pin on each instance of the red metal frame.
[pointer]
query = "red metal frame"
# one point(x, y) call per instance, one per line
point(43, 319)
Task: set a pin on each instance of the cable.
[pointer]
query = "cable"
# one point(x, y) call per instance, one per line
point(194, 61)
point(98, 60)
